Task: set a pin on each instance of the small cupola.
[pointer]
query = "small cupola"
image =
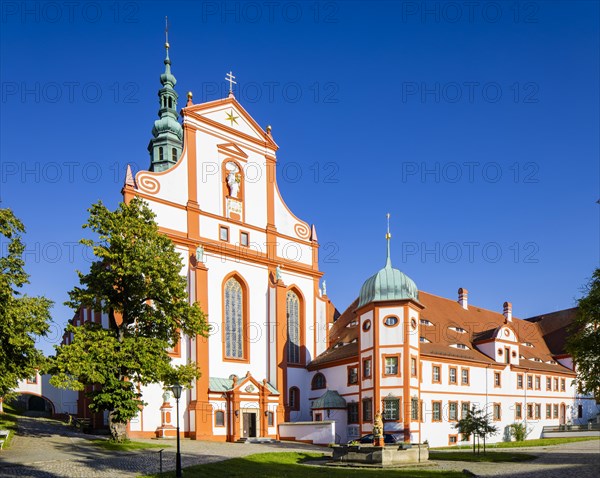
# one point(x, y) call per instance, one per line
point(388, 284)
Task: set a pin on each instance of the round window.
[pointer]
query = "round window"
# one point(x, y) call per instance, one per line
point(500, 352)
point(366, 325)
point(390, 321)
point(413, 323)
point(514, 354)
point(506, 332)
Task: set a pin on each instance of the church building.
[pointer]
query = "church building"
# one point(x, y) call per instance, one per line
point(280, 362)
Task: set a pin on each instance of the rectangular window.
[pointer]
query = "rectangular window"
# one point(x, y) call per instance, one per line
point(437, 411)
point(506, 354)
point(437, 377)
point(464, 409)
point(579, 411)
point(520, 380)
point(464, 372)
point(414, 409)
point(391, 409)
point(538, 411)
point(529, 382)
point(224, 233)
point(270, 419)
point(453, 411)
point(556, 385)
point(562, 384)
point(244, 239)
point(352, 375)
point(548, 411)
point(32, 380)
point(538, 382)
point(366, 368)
point(391, 365)
point(452, 375)
point(413, 367)
point(219, 418)
point(529, 410)
point(353, 412)
point(518, 411)
point(555, 411)
point(548, 383)
point(318, 417)
point(497, 379)
point(497, 411)
point(367, 410)
point(452, 439)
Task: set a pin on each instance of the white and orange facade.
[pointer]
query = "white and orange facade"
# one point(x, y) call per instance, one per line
point(276, 342)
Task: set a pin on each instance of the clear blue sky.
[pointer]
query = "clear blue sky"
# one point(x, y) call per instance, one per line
point(477, 128)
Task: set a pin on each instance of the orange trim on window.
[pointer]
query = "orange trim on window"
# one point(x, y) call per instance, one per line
point(245, 321)
point(398, 362)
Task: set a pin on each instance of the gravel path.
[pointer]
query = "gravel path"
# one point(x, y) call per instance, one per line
point(49, 449)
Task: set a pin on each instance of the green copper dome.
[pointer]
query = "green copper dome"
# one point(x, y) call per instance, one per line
point(388, 284)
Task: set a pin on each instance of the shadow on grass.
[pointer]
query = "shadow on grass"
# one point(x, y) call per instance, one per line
point(489, 457)
point(289, 465)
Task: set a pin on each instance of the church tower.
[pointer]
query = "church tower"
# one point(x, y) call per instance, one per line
point(167, 142)
point(389, 316)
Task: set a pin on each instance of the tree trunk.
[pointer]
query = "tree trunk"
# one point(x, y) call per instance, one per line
point(118, 430)
point(484, 444)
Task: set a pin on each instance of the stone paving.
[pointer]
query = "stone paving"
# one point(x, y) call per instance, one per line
point(48, 449)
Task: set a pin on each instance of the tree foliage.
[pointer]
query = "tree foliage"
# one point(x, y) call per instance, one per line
point(477, 423)
point(584, 340)
point(22, 318)
point(137, 281)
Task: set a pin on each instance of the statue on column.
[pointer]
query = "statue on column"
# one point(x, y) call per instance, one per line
point(378, 429)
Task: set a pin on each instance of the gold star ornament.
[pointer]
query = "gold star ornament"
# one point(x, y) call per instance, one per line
point(232, 118)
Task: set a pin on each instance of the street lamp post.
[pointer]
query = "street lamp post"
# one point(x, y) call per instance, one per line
point(176, 389)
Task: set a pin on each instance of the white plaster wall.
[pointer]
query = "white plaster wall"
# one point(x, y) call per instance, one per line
point(366, 338)
point(173, 182)
point(321, 433)
point(391, 335)
point(294, 251)
point(168, 216)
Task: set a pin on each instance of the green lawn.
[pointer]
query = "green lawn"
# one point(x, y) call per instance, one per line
point(520, 444)
point(8, 421)
point(289, 465)
point(127, 445)
point(490, 456)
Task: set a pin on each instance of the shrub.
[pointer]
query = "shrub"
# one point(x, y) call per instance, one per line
point(518, 431)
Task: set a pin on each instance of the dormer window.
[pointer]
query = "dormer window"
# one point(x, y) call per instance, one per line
point(424, 340)
point(425, 322)
point(527, 344)
point(460, 330)
point(460, 346)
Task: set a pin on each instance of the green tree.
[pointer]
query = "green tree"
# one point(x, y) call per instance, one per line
point(477, 423)
point(137, 281)
point(22, 318)
point(584, 339)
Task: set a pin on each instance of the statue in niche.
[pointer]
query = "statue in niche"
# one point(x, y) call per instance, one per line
point(200, 255)
point(233, 181)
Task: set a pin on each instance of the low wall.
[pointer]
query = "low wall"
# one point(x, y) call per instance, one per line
point(317, 433)
point(389, 455)
point(565, 434)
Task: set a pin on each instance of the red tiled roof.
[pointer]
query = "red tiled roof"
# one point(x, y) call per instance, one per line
point(479, 325)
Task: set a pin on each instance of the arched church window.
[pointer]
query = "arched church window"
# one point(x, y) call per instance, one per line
point(293, 327)
point(160, 154)
point(318, 382)
point(234, 333)
point(174, 154)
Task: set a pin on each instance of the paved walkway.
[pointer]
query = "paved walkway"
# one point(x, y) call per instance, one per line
point(570, 460)
point(49, 449)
